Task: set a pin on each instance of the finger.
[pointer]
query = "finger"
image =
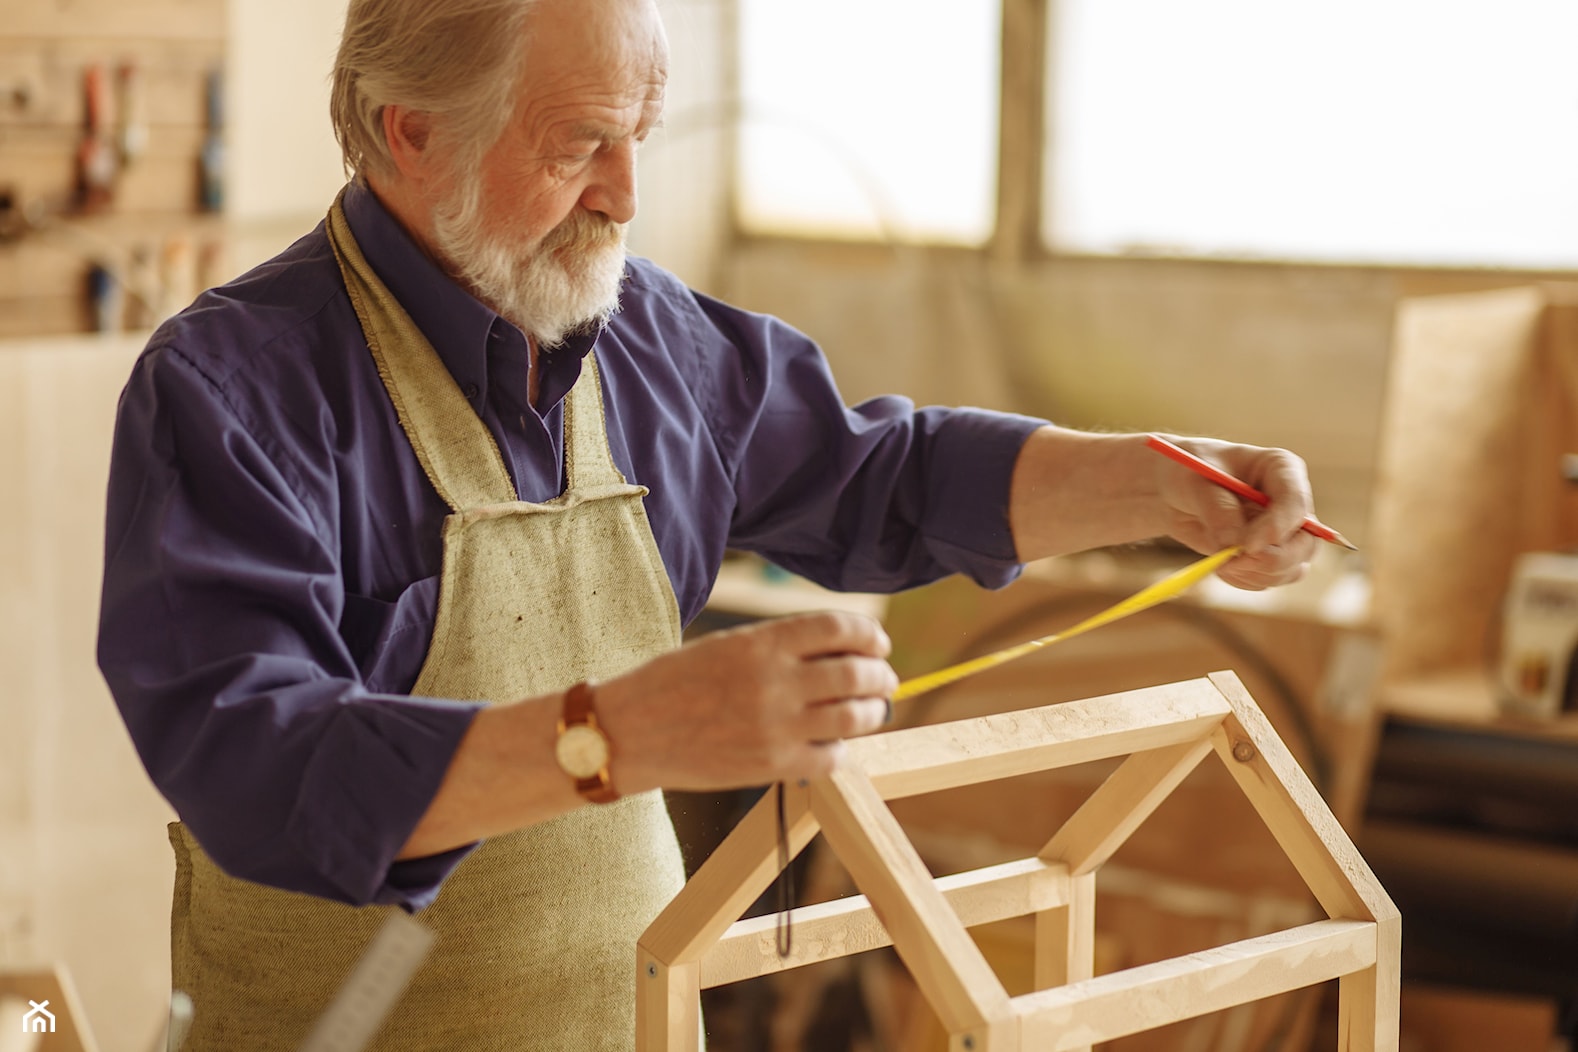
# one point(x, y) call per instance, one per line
point(832, 632)
point(846, 676)
point(812, 760)
point(1278, 559)
point(850, 718)
point(1284, 478)
point(1221, 515)
point(1256, 572)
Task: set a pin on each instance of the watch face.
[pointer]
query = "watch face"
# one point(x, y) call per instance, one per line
point(581, 751)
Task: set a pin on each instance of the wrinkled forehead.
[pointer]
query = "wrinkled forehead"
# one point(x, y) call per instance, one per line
point(604, 48)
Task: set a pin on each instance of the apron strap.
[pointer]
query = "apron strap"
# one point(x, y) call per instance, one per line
point(455, 447)
point(588, 461)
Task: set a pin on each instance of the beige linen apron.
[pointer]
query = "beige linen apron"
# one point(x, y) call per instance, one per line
point(537, 929)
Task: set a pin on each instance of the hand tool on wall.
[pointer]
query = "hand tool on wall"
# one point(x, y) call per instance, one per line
point(98, 163)
point(212, 159)
point(132, 109)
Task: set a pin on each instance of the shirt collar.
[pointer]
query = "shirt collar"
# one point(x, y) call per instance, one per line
point(456, 323)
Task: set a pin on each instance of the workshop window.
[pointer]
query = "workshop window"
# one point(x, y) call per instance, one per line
point(1396, 131)
point(869, 118)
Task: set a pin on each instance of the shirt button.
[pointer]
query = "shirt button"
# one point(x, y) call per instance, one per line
point(470, 391)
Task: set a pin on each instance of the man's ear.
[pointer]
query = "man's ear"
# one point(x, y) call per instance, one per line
point(406, 131)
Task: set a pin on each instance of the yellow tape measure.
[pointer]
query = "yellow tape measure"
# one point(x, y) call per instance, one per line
point(1172, 585)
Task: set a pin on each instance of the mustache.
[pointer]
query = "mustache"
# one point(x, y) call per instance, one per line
point(583, 231)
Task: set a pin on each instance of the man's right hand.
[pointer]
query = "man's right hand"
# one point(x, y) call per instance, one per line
point(748, 706)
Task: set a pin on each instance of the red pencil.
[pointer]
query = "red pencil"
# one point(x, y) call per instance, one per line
point(1243, 489)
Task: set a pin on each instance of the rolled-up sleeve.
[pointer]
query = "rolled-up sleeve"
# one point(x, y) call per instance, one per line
point(880, 496)
point(219, 640)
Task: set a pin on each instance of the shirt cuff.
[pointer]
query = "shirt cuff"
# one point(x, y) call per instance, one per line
point(973, 456)
point(371, 779)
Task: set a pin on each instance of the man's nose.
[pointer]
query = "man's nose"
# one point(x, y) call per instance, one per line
point(613, 191)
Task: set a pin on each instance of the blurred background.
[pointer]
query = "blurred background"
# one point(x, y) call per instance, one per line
point(1350, 229)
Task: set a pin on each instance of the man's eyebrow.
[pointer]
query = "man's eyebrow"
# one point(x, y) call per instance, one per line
point(591, 131)
point(588, 130)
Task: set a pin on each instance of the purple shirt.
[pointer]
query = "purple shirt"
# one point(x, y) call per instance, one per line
point(273, 547)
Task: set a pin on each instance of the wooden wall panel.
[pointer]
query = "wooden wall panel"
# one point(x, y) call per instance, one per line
point(85, 871)
point(117, 19)
point(1480, 410)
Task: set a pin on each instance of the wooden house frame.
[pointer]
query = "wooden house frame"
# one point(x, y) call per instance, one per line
point(1165, 732)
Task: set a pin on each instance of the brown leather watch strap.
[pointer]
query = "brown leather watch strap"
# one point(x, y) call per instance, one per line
point(580, 707)
point(578, 704)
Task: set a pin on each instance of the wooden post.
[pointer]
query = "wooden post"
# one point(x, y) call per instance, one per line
point(668, 1004)
point(1367, 1001)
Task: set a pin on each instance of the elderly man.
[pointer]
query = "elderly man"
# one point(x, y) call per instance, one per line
point(404, 525)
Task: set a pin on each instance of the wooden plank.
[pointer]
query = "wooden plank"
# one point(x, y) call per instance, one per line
point(1444, 528)
point(46, 315)
point(1125, 800)
point(732, 878)
point(1293, 810)
point(1368, 1001)
point(943, 756)
point(1065, 950)
point(945, 961)
point(116, 19)
point(849, 925)
point(1153, 995)
point(668, 1005)
point(1550, 507)
point(1021, 131)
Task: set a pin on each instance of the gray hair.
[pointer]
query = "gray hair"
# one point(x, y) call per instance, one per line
point(458, 60)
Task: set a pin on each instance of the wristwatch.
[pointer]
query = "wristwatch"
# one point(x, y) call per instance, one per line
point(583, 750)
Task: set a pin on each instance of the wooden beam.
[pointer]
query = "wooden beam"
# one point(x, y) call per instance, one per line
point(1066, 938)
point(849, 925)
point(1153, 995)
point(1122, 803)
point(946, 963)
point(1294, 812)
point(668, 1005)
point(1368, 1001)
point(946, 755)
point(732, 878)
point(1021, 131)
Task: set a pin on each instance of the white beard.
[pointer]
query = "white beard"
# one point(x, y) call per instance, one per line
point(567, 282)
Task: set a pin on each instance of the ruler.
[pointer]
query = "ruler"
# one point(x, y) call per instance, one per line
point(1173, 584)
point(373, 987)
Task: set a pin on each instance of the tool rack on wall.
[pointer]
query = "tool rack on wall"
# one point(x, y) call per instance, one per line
point(111, 161)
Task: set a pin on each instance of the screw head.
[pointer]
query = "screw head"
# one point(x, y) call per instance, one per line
point(1243, 751)
point(969, 1042)
point(651, 970)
